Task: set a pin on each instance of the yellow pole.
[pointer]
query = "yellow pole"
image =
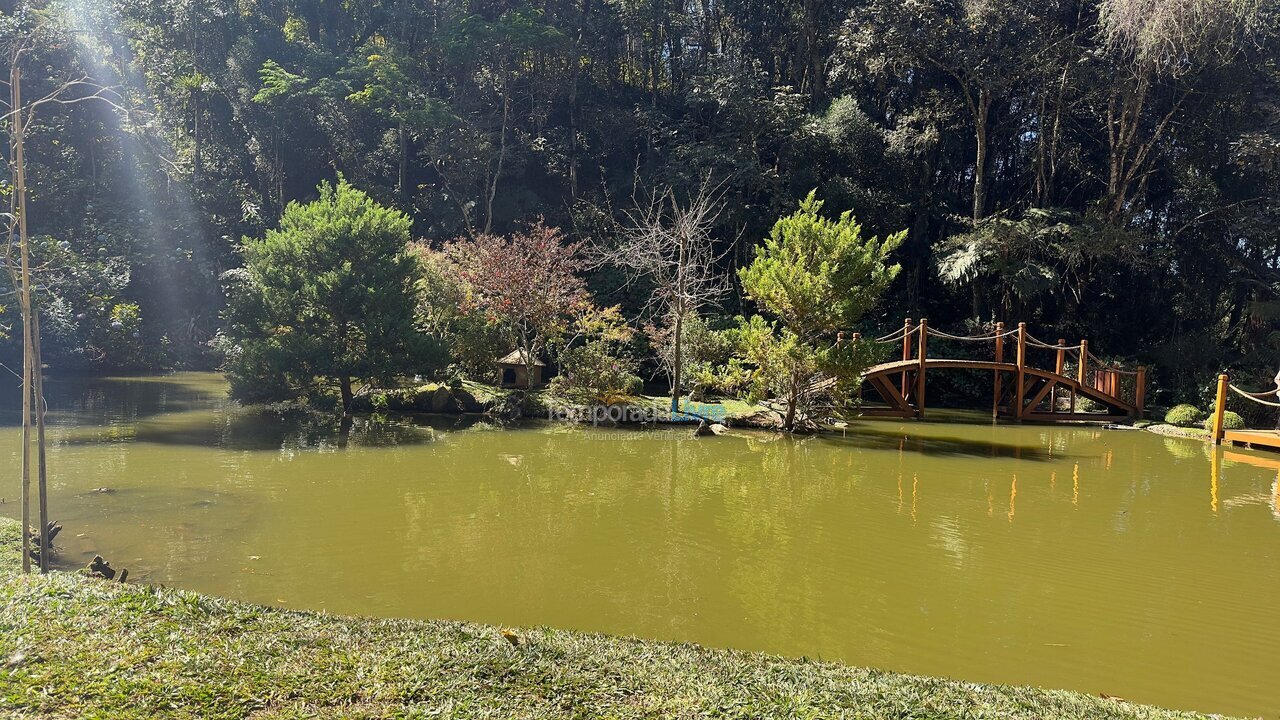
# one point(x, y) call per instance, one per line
point(1022, 365)
point(1220, 409)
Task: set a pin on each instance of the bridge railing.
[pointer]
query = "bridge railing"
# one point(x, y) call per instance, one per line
point(1226, 390)
point(1072, 361)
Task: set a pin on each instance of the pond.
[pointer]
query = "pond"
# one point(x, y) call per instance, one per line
point(1104, 561)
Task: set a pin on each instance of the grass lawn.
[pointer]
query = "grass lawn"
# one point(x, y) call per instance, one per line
point(71, 646)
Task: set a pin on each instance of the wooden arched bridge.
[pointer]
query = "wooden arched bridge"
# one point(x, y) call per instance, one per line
point(1076, 387)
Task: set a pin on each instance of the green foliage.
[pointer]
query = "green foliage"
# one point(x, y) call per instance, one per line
point(1105, 205)
point(278, 84)
point(591, 372)
point(446, 309)
point(329, 296)
point(594, 363)
point(819, 275)
point(1184, 416)
point(1230, 421)
point(1038, 259)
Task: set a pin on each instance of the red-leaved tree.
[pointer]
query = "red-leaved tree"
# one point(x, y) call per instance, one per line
point(528, 283)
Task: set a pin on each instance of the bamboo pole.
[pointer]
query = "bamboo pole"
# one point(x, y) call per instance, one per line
point(1220, 409)
point(924, 337)
point(18, 203)
point(995, 403)
point(1022, 366)
point(42, 475)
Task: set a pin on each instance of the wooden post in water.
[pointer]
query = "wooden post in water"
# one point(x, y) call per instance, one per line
point(924, 336)
point(906, 352)
point(1220, 409)
point(1140, 391)
point(1022, 366)
point(995, 403)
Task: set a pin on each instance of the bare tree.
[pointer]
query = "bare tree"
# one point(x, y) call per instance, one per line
point(669, 244)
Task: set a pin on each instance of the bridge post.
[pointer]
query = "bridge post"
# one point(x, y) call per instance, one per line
point(1082, 373)
point(1058, 368)
point(1140, 392)
point(906, 351)
point(1220, 409)
point(1022, 366)
point(995, 403)
point(923, 342)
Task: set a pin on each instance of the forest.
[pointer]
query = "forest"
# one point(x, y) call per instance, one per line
point(1109, 169)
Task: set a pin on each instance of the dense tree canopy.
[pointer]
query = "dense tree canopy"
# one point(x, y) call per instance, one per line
point(1109, 168)
point(327, 297)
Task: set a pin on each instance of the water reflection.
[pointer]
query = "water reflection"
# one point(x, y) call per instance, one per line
point(1270, 497)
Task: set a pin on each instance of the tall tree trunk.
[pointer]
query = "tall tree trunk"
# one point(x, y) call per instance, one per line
point(348, 397)
point(678, 364)
point(402, 182)
point(981, 117)
point(199, 142)
point(677, 376)
point(502, 153)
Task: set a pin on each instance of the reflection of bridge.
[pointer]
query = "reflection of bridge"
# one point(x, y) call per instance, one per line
point(1093, 392)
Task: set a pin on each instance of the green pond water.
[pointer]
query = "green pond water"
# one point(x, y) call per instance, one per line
point(1113, 562)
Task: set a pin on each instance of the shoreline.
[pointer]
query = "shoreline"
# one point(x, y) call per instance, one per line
point(71, 645)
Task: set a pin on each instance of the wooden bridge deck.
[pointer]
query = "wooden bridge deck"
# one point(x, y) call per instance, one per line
point(1117, 408)
point(1020, 390)
point(1254, 438)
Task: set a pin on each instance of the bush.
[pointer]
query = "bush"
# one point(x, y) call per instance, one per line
point(1230, 421)
point(1184, 416)
point(589, 372)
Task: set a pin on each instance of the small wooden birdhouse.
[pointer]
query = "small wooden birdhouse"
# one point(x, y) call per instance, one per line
point(512, 371)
